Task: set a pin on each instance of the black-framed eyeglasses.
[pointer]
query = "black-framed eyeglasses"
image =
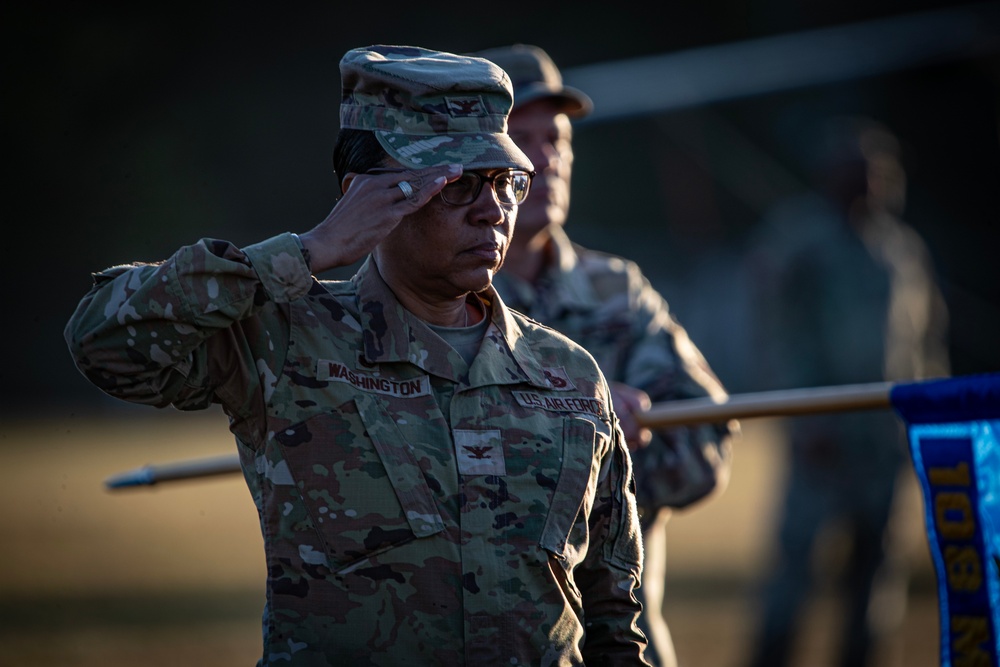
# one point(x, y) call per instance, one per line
point(511, 186)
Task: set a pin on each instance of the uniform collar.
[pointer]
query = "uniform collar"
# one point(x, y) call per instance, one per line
point(394, 334)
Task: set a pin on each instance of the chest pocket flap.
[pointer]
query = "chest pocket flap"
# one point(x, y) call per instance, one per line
point(574, 493)
point(404, 472)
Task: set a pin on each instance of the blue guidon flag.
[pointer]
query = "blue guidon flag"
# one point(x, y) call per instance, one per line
point(953, 427)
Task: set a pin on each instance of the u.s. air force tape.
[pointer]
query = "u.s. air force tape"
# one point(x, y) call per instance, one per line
point(579, 404)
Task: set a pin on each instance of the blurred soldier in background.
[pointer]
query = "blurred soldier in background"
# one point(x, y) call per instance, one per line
point(845, 293)
point(607, 305)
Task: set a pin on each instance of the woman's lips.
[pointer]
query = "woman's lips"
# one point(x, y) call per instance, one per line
point(489, 251)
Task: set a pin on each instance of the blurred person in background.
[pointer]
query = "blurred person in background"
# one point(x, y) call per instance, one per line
point(606, 304)
point(439, 480)
point(845, 293)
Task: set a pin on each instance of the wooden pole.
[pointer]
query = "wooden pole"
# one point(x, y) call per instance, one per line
point(790, 402)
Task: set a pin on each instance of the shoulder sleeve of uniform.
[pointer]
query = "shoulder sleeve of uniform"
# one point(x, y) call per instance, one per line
point(282, 267)
point(143, 331)
point(613, 567)
point(610, 275)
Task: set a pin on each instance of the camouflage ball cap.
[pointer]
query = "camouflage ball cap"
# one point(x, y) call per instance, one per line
point(535, 76)
point(430, 107)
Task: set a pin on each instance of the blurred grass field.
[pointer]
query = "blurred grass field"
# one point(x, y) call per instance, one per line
point(173, 574)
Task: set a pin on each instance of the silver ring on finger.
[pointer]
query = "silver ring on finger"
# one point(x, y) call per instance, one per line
point(406, 188)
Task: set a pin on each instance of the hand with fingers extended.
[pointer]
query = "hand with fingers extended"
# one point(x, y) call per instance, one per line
point(373, 205)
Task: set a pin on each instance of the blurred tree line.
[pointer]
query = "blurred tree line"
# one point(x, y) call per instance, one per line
point(136, 129)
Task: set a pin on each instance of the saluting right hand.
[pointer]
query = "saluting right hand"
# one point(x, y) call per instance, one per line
point(372, 206)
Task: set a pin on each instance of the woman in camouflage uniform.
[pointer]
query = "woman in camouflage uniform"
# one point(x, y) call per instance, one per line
point(439, 480)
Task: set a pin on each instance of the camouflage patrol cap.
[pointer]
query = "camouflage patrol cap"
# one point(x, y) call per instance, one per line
point(535, 76)
point(430, 107)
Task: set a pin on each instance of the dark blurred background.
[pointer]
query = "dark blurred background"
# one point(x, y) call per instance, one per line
point(137, 128)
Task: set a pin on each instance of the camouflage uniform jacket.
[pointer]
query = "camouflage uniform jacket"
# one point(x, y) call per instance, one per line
point(607, 305)
point(414, 510)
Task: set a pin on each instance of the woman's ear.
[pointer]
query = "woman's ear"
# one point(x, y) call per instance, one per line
point(346, 183)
